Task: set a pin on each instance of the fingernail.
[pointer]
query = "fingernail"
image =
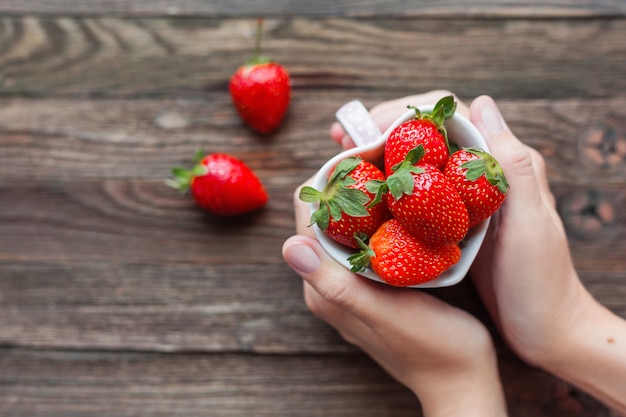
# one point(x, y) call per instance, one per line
point(492, 119)
point(302, 258)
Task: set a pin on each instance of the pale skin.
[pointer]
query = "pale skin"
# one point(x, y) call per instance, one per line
point(527, 282)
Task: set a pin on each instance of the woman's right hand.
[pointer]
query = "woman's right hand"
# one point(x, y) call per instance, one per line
point(527, 280)
point(524, 271)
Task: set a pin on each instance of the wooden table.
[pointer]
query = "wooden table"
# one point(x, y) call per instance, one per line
point(118, 297)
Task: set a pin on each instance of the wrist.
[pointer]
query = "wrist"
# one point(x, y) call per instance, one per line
point(472, 391)
point(592, 355)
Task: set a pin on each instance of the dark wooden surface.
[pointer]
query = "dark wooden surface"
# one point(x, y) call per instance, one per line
point(119, 298)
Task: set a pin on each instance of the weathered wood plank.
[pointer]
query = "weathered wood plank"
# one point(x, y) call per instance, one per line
point(97, 258)
point(60, 139)
point(197, 308)
point(211, 307)
point(503, 57)
point(97, 252)
point(398, 8)
point(68, 384)
point(118, 221)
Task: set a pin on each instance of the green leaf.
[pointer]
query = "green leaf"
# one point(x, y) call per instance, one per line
point(438, 116)
point(474, 173)
point(181, 180)
point(418, 114)
point(415, 154)
point(474, 163)
point(335, 209)
point(343, 168)
point(321, 217)
point(199, 170)
point(448, 106)
point(352, 201)
point(347, 181)
point(378, 188)
point(309, 194)
point(476, 168)
point(198, 156)
point(400, 183)
point(175, 184)
point(361, 259)
point(354, 195)
point(503, 186)
point(181, 173)
point(485, 165)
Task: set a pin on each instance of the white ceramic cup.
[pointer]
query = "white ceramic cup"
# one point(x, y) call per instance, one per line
point(370, 146)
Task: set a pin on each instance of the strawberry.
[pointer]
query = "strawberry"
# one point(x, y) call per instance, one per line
point(260, 91)
point(342, 212)
point(400, 259)
point(479, 179)
point(221, 184)
point(423, 200)
point(425, 129)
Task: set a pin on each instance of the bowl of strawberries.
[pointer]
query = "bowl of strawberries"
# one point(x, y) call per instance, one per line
point(409, 207)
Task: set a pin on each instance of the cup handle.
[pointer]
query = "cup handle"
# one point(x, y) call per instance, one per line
point(357, 123)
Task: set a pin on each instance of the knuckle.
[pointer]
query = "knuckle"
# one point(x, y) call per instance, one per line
point(338, 293)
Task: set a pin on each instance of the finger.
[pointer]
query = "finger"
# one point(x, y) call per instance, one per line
point(352, 329)
point(333, 282)
point(339, 135)
point(515, 158)
point(539, 167)
point(386, 113)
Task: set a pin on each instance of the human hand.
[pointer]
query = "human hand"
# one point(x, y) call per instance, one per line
point(385, 113)
point(524, 271)
point(512, 268)
point(528, 282)
point(440, 352)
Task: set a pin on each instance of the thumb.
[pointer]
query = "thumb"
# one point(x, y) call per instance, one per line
point(515, 158)
point(329, 279)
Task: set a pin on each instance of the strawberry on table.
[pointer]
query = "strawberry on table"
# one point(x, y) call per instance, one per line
point(426, 129)
point(221, 184)
point(342, 209)
point(480, 181)
point(261, 91)
point(400, 259)
point(423, 200)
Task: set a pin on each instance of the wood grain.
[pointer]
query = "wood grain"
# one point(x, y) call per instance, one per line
point(98, 253)
point(100, 57)
point(398, 8)
point(77, 139)
point(67, 384)
point(119, 297)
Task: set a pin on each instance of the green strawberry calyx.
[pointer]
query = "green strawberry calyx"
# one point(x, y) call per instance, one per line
point(361, 260)
point(337, 197)
point(401, 181)
point(485, 165)
point(182, 177)
point(442, 111)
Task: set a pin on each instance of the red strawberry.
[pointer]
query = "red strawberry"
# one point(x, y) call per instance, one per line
point(424, 201)
point(427, 130)
point(261, 90)
point(479, 180)
point(343, 212)
point(400, 259)
point(221, 184)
